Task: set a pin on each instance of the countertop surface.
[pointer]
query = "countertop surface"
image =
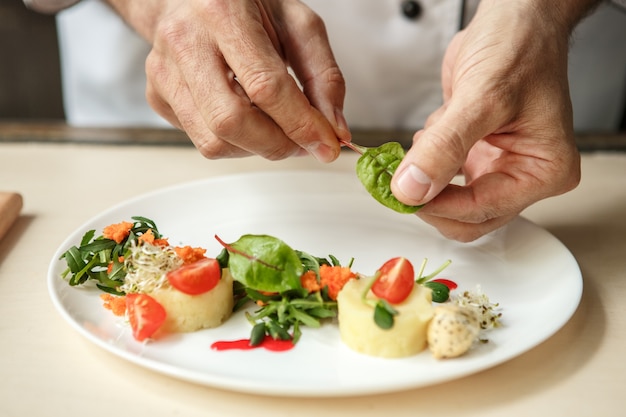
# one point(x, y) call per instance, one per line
point(49, 369)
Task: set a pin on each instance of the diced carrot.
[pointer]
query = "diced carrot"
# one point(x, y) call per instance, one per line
point(189, 254)
point(117, 305)
point(333, 277)
point(117, 232)
point(309, 281)
point(110, 266)
point(147, 237)
point(161, 242)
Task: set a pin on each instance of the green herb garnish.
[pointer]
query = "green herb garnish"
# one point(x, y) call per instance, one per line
point(91, 260)
point(267, 272)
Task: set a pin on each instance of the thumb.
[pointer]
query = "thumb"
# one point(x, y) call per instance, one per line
point(438, 154)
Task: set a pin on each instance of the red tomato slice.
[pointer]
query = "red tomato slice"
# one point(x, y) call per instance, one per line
point(396, 280)
point(450, 284)
point(197, 277)
point(145, 315)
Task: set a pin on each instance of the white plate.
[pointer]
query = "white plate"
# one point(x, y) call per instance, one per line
point(530, 273)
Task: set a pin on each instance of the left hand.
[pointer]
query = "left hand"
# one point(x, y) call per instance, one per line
point(506, 124)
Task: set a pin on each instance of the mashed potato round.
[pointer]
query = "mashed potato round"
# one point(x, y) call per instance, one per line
point(188, 313)
point(359, 331)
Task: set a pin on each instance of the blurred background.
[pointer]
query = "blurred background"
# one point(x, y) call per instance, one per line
point(30, 76)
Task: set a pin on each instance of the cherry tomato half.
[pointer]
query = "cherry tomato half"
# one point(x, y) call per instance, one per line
point(396, 280)
point(197, 277)
point(145, 315)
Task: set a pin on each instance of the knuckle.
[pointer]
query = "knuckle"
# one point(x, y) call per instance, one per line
point(301, 131)
point(307, 20)
point(331, 77)
point(263, 86)
point(226, 121)
point(211, 148)
point(448, 143)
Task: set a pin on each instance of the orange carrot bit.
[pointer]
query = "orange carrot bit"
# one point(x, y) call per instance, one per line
point(335, 277)
point(147, 237)
point(117, 232)
point(109, 268)
point(309, 281)
point(117, 305)
point(188, 254)
point(110, 265)
point(161, 242)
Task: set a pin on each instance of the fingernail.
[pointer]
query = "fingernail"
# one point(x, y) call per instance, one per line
point(413, 183)
point(322, 152)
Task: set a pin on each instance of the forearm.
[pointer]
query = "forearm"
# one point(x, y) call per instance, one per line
point(49, 6)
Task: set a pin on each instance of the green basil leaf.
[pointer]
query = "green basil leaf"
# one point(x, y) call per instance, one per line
point(265, 263)
point(440, 292)
point(257, 334)
point(376, 167)
point(383, 316)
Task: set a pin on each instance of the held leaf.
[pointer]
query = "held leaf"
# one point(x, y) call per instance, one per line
point(376, 167)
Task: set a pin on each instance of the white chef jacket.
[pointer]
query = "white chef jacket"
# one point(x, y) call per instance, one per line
point(391, 64)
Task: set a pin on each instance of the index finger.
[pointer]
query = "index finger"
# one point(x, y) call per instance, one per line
point(261, 71)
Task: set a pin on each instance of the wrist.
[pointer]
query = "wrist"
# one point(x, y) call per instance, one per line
point(562, 15)
point(565, 14)
point(141, 15)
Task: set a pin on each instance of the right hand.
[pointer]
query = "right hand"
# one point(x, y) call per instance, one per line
point(218, 70)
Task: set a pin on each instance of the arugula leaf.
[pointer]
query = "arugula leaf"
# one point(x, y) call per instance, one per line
point(91, 259)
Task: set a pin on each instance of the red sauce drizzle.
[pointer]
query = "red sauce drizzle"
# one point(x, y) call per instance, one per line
point(450, 284)
point(244, 344)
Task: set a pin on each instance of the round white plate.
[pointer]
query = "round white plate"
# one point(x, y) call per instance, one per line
point(530, 273)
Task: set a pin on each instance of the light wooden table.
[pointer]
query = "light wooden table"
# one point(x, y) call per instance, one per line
point(47, 368)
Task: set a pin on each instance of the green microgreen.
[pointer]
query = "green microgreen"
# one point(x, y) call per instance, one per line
point(90, 260)
point(267, 273)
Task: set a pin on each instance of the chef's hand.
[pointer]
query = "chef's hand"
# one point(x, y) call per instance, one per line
point(506, 123)
point(218, 71)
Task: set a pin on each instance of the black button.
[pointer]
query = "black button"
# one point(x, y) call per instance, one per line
point(411, 9)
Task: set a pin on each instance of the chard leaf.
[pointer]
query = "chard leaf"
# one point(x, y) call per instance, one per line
point(265, 263)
